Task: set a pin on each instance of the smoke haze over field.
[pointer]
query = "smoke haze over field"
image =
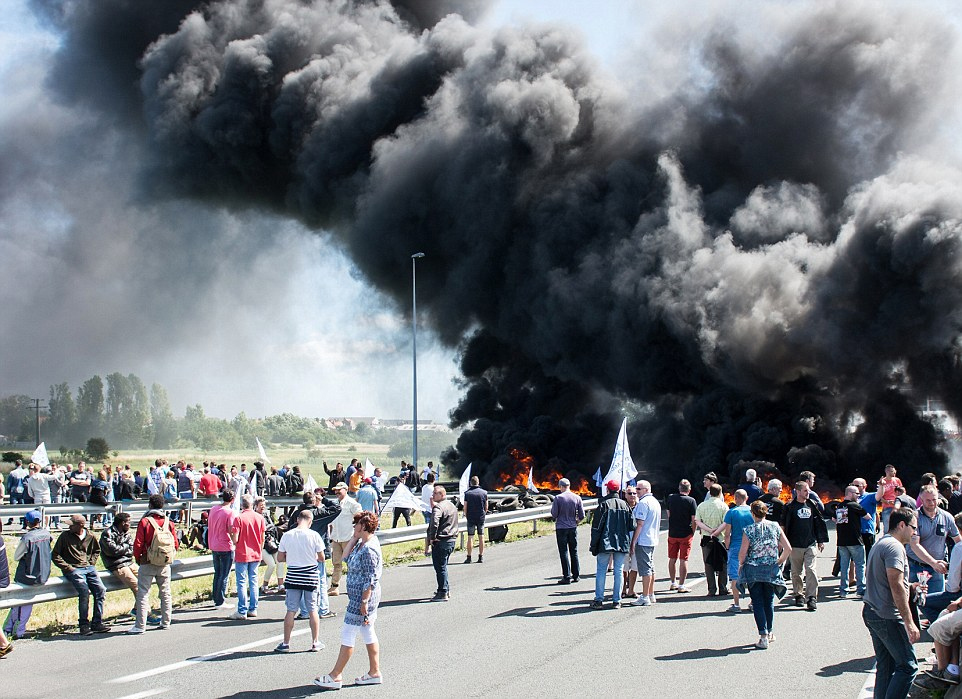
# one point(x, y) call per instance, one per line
point(754, 243)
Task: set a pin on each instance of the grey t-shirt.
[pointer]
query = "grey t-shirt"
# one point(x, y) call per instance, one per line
point(886, 553)
point(933, 531)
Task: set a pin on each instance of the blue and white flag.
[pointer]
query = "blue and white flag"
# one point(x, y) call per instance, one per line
point(465, 481)
point(151, 485)
point(622, 467)
point(599, 481)
point(531, 486)
point(260, 450)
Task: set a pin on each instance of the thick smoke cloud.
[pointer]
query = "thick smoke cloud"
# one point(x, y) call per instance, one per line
point(762, 264)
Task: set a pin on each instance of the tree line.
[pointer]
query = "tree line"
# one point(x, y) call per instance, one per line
point(128, 415)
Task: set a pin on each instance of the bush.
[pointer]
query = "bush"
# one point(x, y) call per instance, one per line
point(11, 456)
point(97, 449)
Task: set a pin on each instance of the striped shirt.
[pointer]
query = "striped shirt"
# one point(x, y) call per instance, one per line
point(302, 578)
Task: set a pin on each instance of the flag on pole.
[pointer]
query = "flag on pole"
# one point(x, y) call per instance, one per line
point(40, 455)
point(599, 481)
point(531, 486)
point(622, 467)
point(253, 484)
point(368, 468)
point(402, 498)
point(464, 482)
point(260, 450)
point(310, 484)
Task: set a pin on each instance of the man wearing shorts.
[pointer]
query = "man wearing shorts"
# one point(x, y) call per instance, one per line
point(475, 508)
point(630, 572)
point(681, 530)
point(303, 549)
point(647, 514)
point(736, 519)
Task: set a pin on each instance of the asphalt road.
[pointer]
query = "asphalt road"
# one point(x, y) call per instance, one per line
point(509, 630)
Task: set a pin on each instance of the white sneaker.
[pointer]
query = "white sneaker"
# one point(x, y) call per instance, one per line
point(651, 598)
point(673, 587)
point(640, 601)
point(762, 643)
point(683, 589)
point(238, 616)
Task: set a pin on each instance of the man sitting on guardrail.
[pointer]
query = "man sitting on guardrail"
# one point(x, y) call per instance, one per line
point(117, 554)
point(33, 568)
point(76, 553)
point(155, 547)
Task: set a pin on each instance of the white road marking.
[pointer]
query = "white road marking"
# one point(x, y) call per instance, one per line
point(146, 693)
point(203, 658)
point(868, 689)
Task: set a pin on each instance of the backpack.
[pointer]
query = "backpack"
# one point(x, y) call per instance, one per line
point(163, 546)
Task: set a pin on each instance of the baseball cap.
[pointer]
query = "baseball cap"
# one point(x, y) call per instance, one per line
point(613, 486)
point(33, 517)
point(341, 486)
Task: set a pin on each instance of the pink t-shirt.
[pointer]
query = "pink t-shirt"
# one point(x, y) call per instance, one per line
point(888, 490)
point(219, 524)
point(250, 527)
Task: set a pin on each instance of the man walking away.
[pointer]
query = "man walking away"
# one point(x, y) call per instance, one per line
point(247, 533)
point(303, 549)
point(709, 516)
point(681, 530)
point(155, 547)
point(219, 525)
point(567, 510)
point(76, 553)
point(886, 612)
point(441, 537)
point(475, 508)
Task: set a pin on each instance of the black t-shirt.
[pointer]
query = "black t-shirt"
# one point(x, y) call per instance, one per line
point(799, 522)
point(848, 525)
point(475, 503)
point(77, 490)
point(775, 507)
point(681, 508)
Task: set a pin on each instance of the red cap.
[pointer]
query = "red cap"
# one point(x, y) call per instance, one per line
point(613, 486)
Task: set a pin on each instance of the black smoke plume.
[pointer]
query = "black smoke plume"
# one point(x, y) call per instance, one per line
point(760, 265)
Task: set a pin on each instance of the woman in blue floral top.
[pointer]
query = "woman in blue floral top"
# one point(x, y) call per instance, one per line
point(364, 564)
point(764, 550)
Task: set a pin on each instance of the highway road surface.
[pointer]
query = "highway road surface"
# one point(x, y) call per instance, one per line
point(508, 631)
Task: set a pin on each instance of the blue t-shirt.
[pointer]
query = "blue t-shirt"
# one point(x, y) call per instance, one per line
point(738, 517)
point(869, 503)
point(367, 497)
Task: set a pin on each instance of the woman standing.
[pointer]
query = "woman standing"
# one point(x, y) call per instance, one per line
point(760, 568)
point(363, 556)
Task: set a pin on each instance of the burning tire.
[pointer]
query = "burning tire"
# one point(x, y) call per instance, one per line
point(509, 504)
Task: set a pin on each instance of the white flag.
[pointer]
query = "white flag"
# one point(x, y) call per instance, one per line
point(464, 482)
point(368, 469)
point(531, 486)
point(151, 485)
point(254, 482)
point(402, 498)
point(260, 450)
point(40, 455)
point(310, 484)
point(622, 467)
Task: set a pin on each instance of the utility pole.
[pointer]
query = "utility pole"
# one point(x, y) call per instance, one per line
point(36, 408)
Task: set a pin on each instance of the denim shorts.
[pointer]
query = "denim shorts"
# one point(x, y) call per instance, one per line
point(476, 527)
point(300, 599)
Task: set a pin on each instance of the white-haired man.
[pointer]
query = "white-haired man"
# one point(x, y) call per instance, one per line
point(770, 498)
point(750, 486)
point(647, 514)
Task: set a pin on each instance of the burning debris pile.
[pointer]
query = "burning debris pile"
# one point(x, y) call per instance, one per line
point(760, 262)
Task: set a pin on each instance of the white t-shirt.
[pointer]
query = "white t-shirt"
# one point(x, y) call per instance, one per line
point(427, 493)
point(301, 546)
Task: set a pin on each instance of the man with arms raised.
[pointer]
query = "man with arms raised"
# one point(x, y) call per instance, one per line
point(886, 611)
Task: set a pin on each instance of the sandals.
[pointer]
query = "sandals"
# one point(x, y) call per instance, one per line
point(367, 679)
point(326, 682)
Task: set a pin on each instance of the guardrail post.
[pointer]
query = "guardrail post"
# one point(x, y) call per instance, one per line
point(534, 526)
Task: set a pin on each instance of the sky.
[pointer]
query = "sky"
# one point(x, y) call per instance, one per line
point(269, 317)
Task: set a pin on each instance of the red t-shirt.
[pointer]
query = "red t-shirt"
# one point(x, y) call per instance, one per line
point(249, 527)
point(209, 484)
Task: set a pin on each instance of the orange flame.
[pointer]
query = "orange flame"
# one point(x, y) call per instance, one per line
point(544, 479)
point(826, 493)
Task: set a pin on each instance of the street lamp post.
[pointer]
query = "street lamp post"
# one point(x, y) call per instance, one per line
point(414, 348)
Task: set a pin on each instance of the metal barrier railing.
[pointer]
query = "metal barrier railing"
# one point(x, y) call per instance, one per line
point(58, 588)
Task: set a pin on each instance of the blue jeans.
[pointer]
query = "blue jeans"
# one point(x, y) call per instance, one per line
point(936, 582)
point(895, 657)
point(321, 601)
point(440, 553)
point(935, 604)
point(763, 605)
point(847, 554)
point(223, 560)
point(86, 582)
point(601, 569)
point(246, 574)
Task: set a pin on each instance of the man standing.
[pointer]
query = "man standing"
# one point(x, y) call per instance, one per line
point(336, 476)
point(155, 547)
point(775, 506)
point(681, 530)
point(303, 550)
point(342, 529)
point(17, 485)
point(750, 487)
point(367, 497)
point(80, 483)
point(707, 482)
point(475, 508)
point(928, 552)
point(848, 516)
point(709, 516)
point(209, 485)
point(33, 568)
point(219, 525)
point(886, 611)
point(736, 519)
point(76, 553)
point(441, 536)
point(647, 516)
point(611, 540)
point(247, 533)
point(806, 531)
point(567, 510)
point(427, 497)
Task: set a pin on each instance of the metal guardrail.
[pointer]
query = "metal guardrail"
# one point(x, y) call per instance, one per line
point(58, 588)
